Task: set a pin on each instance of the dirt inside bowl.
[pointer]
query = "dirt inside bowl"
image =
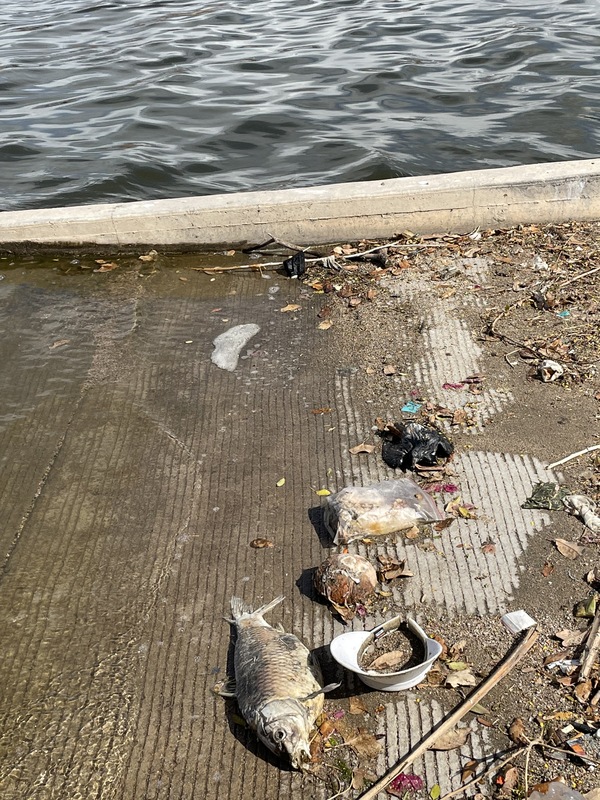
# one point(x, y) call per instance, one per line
point(393, 652)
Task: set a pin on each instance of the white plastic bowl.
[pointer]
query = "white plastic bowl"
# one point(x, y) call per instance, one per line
point(345, 648)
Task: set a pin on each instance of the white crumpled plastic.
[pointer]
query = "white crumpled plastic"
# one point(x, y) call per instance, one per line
point(376, 510)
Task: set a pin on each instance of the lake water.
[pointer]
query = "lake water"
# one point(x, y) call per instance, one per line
point(141, 100)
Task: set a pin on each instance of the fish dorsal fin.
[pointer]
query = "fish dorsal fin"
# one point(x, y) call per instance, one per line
point(329, 688)
point(228, 688)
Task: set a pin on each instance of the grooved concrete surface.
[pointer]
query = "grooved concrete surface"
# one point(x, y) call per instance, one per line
point(134, 473)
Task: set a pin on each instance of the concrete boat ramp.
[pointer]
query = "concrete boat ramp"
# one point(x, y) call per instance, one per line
point(135, 473)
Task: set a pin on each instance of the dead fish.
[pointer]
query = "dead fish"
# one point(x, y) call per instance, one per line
point(278, 684)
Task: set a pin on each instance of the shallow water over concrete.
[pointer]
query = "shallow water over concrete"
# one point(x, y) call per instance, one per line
point(150, 99)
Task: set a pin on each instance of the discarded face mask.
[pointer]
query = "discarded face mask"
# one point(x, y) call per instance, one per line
point(278, 684)
point(387, 507)
point(346, 579)
point(406, 446)
point(549, 370)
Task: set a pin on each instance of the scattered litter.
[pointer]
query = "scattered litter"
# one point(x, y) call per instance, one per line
point(574, 455)
point(563, 314)
point(549, 370)
point(228, 345)
point(406, 445)
point(151, 255)
point(295, 266)
point(547, 496)
point(259, 544)
point(346, 579)
point(390, 569)
point(580, 506)
point(361, 448)
point(358, 511)
point(411, 407)
point(555, 790)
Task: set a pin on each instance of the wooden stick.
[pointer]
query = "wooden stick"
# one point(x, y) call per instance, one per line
point(591, 648)
point(577, 277)
point(500, 671)
point(574, 455)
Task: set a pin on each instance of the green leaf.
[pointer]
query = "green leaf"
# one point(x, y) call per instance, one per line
point(435, 792)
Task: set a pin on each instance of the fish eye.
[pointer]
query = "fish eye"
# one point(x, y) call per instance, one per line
point(279, 735)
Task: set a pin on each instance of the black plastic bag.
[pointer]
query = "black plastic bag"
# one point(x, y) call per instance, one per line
point(407, 445)
point(295, 266)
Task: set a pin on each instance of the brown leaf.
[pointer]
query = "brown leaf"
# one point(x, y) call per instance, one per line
point(508, 781)
point(324, 313)
point(391, 568)
point(547, 569)
point(568, 549)
point(457, 649)
point(290, 307)
point(355, 301)
point(469, 769)
point(459, 417)
point(324, 410)
point(553, 657)
point(412, 533)
point(358, 780)
point(487, 723)
point(444, 646)
point(361, 448)
point(325, 325)
point(488, 547)
point(357, 706)
point(389, 369)
point(570, 638)
point(365, 745)
point(106, 266)
point(456, 737)
point(583, 691)
point(258, 544)
point(388, 662)
point(326, 728)
point(516, 731)
point(464, 677)
point(593, 576)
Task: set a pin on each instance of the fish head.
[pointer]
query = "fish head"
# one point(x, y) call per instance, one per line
point(284, 728)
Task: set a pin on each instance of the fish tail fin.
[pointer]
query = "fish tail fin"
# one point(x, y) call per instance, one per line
point(240, 609)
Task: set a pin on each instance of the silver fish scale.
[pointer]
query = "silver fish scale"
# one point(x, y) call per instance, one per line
point(270, 665)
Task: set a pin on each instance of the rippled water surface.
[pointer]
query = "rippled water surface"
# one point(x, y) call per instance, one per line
point(135, 100)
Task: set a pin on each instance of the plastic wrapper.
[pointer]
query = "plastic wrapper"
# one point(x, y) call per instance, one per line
point(379, 509)
point(405, 446)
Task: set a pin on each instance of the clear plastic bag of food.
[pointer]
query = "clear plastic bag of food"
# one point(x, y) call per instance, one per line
point(379, 509)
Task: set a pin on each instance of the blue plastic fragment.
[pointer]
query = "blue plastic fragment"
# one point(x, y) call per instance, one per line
point(565, 313)
point(411, 407)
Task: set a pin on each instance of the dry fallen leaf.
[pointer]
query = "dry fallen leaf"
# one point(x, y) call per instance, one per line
point(326, 728)
point(290, 307)
point(106, 266)
point(59, 343)
point(462, 678)
point(547, 569)
point(412, 533)
point(357, 706)
point(516, 731)
point(488, 547)
point(365, 745)
point(469, 769)
point(568, 549)
point(388, 662)
point(389, 369)
point(453, 739)
point(508, 781)
point(583, 691)
point(361, 448)
point(324, 410)
point(259, 544)
point(150, 256)
point(358, 780)
point(456, 649)
point(570, 638)
point(391, 568)
point(323, 326)
point(457, 666)
point(280, 482)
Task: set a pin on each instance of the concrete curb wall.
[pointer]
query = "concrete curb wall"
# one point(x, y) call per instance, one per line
point(455, 202)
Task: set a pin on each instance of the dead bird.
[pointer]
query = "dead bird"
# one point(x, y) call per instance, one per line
point(278, 684)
